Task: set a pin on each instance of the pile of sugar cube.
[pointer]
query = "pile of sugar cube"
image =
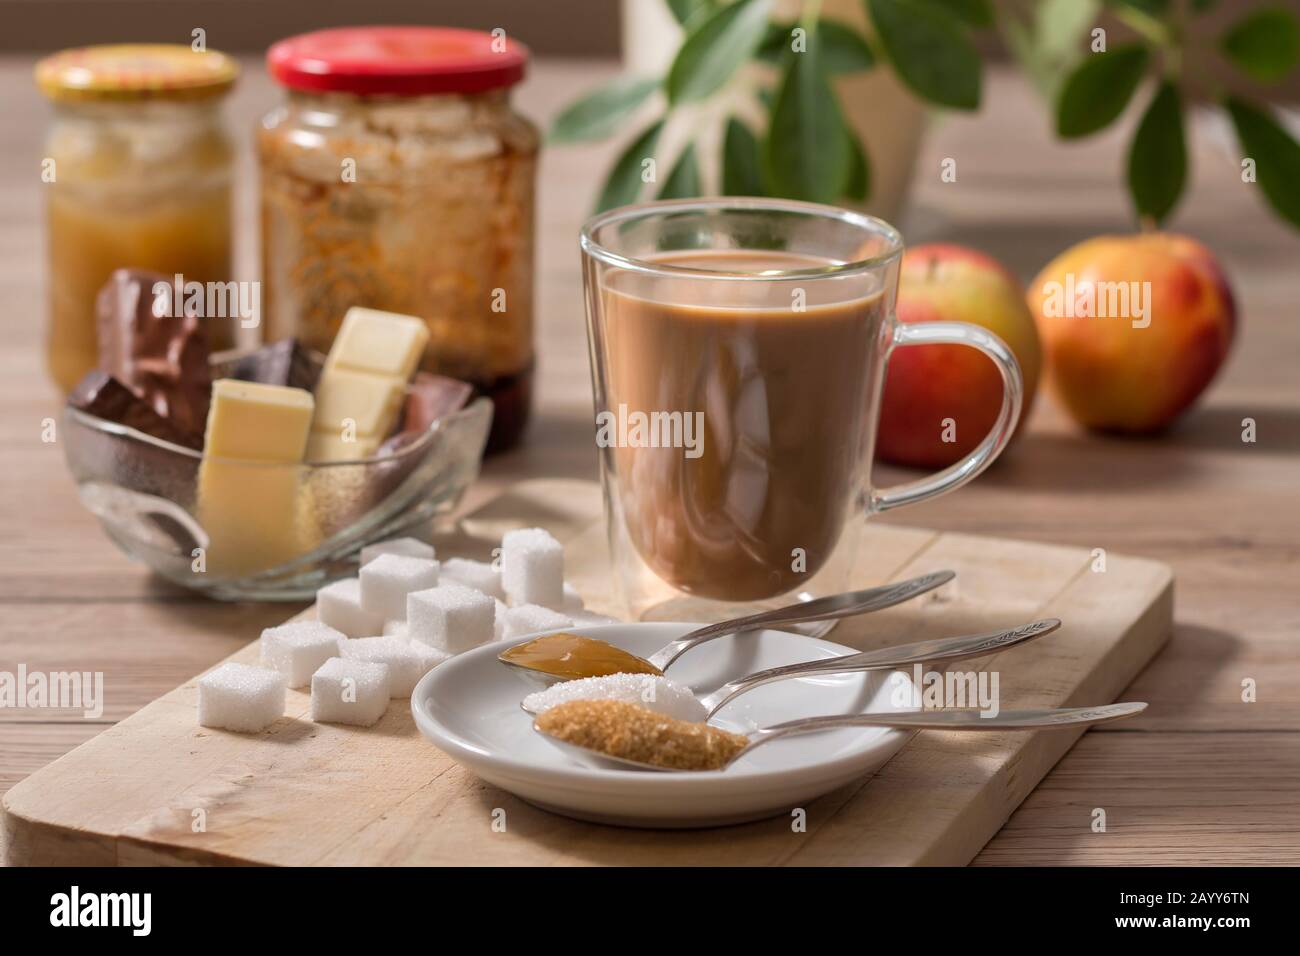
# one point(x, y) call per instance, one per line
point(377, 634)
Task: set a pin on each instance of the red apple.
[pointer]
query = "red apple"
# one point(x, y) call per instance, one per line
point(934, 393)
point(1135, 327)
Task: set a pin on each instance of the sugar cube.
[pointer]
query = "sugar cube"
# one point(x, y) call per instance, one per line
point(587, 618)
point(452, 617)
point(241, 697)
point(389, 578)
point(499, 622)
point(407, 661)
point(349, 692)
point(479, 575)
point(296, 650)
point(339, 606)
point(406, 547)
point(571, 600)
point(532, 567)
point(395, 629)
point(532, 618)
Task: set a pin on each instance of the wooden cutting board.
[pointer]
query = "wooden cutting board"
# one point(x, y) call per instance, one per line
point(158, 789)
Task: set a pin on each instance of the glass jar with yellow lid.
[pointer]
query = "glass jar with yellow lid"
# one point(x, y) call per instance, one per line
point(138, 175)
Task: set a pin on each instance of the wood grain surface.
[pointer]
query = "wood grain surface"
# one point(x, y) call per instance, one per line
point(1202, 777)
point(303, 793)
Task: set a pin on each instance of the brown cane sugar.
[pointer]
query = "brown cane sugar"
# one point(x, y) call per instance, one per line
point(632, 732)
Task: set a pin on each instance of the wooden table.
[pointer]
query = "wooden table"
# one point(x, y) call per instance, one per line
point(1203, 777)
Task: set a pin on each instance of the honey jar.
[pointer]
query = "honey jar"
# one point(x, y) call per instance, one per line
point(137, 173)
point(396, 175)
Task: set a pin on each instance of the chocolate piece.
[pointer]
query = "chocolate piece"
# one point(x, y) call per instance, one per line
point(155, 347)
point(103, 396)
point(285, 362)
point(428, 398)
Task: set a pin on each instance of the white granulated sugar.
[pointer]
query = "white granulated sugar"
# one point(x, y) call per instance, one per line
point(572, 600)
point(339, 606)
point(532, 619)
point(241, 697)
point(479, 575)
point(532, 567)
point(407, 661)
point(349, 692)
point(389, 578)
point(297, 649)
point(587, 618)
point(499, 622)
point(451, 617)
point(659, 694)
point(406, 547)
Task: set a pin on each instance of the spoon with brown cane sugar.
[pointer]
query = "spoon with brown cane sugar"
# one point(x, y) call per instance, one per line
point(618, 735)
point(557, 657)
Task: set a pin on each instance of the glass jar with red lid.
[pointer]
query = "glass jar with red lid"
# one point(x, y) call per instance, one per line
point(397, 176)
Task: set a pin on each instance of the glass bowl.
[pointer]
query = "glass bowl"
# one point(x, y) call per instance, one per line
point(273, 531)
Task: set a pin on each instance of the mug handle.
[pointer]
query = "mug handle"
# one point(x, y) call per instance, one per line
point(1013, 390)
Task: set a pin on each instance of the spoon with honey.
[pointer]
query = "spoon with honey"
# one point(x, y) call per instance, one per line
point(617, 735)
point(563, 656)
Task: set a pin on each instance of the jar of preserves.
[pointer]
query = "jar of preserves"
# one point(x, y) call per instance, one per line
point(138, 171)
point(397, 176)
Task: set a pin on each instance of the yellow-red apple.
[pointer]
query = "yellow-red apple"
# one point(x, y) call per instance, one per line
point(941, 400)
point(1134, 328)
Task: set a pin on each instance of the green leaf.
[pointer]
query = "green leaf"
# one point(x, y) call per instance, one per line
point(1276, 155)
point(1155, 8)
point(1098, 89)
point(741, 174)
point(715, 48)
point(623, 185)
point(844, 49)
point(929, 52)
point(858, 186)
point(1157, 159)
point(601, 112)
point(685, 10)
point(806, 152)
point(1264, 44)
point(973, 13)
point(684, 180)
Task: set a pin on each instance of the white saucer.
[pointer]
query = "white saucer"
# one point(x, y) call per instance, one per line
point(469, 707)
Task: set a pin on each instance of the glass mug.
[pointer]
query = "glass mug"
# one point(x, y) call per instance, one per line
point(738, 350)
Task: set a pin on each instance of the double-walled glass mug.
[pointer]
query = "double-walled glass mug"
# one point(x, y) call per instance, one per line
point(738, 348)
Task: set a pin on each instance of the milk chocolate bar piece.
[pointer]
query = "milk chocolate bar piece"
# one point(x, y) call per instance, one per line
point(103, 396)
point(155, 346)
point(285, 362)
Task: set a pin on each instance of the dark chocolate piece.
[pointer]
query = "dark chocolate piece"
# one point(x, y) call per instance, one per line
point(285, 362)
point(156, 347)
point(103, 396)
point(429, 397)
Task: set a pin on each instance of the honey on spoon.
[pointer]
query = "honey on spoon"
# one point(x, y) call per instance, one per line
point(567, 656)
